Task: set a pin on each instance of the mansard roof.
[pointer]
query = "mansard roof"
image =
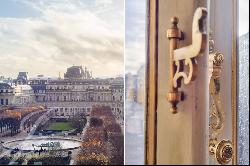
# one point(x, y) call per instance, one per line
point(5, 86)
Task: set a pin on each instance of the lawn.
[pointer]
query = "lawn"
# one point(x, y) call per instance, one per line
point(60, 126)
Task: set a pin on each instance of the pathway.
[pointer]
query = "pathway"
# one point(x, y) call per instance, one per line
point(27, 117)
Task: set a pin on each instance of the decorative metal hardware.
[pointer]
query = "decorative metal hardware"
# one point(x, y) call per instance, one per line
point(179, 57)
point(216, 113)
point(223, 150)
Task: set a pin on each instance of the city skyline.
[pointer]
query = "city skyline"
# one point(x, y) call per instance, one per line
point(59, 74)
point(43, 38)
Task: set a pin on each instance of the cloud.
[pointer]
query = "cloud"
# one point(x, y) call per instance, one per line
point(135, 53)
point(66, 33)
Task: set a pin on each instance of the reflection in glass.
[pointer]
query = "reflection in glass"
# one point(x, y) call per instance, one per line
point(243, 84)
point(135, 81)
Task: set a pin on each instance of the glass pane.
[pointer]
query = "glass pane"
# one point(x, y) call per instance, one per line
point(135, 80)
point(243, 84)
point(62, 82)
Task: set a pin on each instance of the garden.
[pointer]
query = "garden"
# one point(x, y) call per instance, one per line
point(103, 140)
point(74, 124)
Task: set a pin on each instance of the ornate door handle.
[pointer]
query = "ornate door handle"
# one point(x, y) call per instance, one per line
point(179, 57)
point(221, 150)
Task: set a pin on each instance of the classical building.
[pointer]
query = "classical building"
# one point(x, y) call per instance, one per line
point(78, 92)
point(16, 95)
point(24, 95)
point(22, 78)
point(6, 94)
point(131, 87)
point(135, 86)
point(77, 72)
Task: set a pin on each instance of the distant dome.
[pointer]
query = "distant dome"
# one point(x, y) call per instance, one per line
point(77, 72)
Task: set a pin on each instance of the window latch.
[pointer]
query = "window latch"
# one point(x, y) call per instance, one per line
point(184, 56)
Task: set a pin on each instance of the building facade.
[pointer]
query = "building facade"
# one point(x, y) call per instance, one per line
point(79, 92)
point(135, 86)
point(6, 94)
point(16, 95)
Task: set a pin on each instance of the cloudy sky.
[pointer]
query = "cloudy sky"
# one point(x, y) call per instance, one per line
point(47, 36)
point(135, 23)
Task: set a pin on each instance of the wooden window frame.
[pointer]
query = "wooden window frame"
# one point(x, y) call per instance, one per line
point(152, 78)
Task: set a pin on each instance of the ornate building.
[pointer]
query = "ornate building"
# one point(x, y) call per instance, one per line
point(6, 94)
point(77, 72)
point(135, 86)
point(16, 95)
point(79, 92)
point(22, 78)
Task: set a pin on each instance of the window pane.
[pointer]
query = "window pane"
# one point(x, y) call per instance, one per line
point(243, 84)
point(135, 80)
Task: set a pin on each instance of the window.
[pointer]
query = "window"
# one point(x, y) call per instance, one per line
point(135, 23)
point(243, 83)
point(2, 101)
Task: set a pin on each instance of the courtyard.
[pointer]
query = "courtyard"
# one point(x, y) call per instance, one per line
point(64, 126)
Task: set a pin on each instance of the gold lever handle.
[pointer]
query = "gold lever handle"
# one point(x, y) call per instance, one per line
point(178, 57)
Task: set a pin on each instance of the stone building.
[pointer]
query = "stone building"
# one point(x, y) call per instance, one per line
point(6, 94)
point(24, 95)
point(76, 93)
point(77, 72)
point(16, 95)
point(79, 92)
point(135, 86)
point(22, 78)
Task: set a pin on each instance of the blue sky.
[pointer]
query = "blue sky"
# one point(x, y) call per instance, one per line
point(47, 36)
point(16, 9)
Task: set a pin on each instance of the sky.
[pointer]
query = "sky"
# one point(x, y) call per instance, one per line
point(135, 31)
point(243, 16)
point(135, 22)
point(47, 36)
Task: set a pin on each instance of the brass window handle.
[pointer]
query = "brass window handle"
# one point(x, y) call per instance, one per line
point(178, 57)
point(221, 150)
